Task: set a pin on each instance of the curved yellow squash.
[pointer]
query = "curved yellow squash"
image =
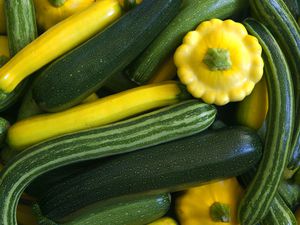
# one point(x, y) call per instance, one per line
point(100, 112)
point(48, 15)
point(167, 71)
point(252, 111)
point(58, 40)
point(2, 18)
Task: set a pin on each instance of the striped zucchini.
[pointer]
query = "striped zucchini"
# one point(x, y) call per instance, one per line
point(279, 20)
point(294, 7)
point(279, 213)
point(263, 187)
point(127, 210)
point(21, 30)
point(162, 125)
point(192, 13)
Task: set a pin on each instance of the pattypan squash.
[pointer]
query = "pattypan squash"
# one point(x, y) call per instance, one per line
point(219, 61)
point(210, 204)
point(50, 12)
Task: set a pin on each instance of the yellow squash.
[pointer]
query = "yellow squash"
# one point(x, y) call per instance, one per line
point(56, 41)
point(167, 71)
point(252, 111)
point(4, 51)
point(164, 221)
point(211, 204)
point(219, 62)
point(100, 112)
point(2, 18)
point(50, 12)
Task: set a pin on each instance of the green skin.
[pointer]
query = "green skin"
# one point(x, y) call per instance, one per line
point(57, 3)
point(220, 212)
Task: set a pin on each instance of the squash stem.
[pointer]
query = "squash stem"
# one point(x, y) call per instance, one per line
point(57, 3)
point(217, 59)
point(220, 212)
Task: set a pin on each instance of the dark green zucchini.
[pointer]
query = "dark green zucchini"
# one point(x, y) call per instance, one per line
point(260, 193)
point(79, 73)
point(192, 13)
point(4, 124)
point(171, 166)
point(159, 126)
point(279, 20)
point(21, 30)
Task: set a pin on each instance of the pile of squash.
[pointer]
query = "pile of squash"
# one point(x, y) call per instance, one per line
point(158, 112)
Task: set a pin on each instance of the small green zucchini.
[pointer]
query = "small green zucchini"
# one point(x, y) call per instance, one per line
point(84, 70)
point(127, 210)
point(279, 20)
point(159, 126)
point(21, 30)
point(170, 167)
point(262, 189)
point(191, 14)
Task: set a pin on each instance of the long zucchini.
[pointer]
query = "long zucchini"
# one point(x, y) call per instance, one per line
point(156, 127)
point(85, 69)
point(263, 187)
point(171, 166)
point(192, 13)
point(56, 41)
point(127, 210)
point(294, 7)
point(279, 20)
point(103, 111)
point(21, 30)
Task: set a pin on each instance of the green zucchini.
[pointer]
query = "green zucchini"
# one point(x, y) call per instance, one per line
point(260, 193)
point(21, 30)
point(79, 73)
point(279, 20)
point(127, 210)
point(279, 213)
point(4, 124)
point(166, 124)
point(170, 167)
point(294, 7)
point(192, 13)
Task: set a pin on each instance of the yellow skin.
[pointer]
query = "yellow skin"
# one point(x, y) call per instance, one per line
point(219, 86)
point(2, 18)
point(48, 15)
point(164, 221)
point(252, 111)
point(193, 207)
point(100, 112)
point(56, 41)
